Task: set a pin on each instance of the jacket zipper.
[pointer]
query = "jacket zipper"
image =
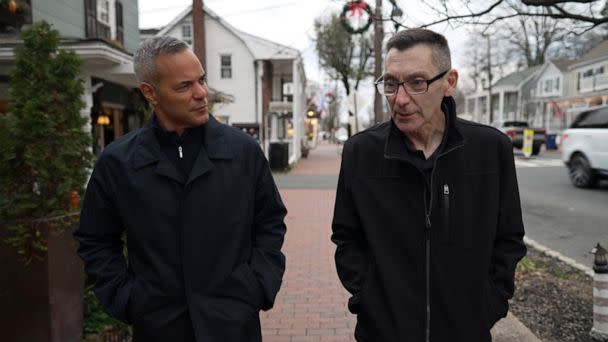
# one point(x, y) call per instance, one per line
point(181, 152)
point(446, 207)
point(428, 253)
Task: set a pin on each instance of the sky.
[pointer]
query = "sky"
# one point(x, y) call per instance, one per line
point(287, 22)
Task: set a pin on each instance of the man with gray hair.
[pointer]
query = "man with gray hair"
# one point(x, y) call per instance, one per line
point(197, 204)
point(427, 220)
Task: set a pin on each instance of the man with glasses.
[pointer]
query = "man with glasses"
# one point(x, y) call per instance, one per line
point(196, 201)
point(427, 219)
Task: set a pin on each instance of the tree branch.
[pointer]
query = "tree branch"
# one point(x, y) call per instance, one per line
point(546, 3)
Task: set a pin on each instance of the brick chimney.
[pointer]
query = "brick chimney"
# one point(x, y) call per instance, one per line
point(198, 28)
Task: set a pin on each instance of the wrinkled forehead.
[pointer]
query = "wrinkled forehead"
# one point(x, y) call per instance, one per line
point(413, 62)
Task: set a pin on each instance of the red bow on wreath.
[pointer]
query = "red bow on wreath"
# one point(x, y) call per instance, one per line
point(356, 8)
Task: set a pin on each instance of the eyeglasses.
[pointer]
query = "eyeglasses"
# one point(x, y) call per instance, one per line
point(412, 87)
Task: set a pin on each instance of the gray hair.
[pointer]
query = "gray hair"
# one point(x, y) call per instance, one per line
point(144, 61)
point(408, 38)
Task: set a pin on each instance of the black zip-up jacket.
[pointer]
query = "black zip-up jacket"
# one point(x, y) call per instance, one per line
point(428, 261)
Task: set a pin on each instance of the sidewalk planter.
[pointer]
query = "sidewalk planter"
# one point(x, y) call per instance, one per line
point(43, 301)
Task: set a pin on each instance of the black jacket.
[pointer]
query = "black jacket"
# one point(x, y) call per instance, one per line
point(203, 255)
point(438, 256)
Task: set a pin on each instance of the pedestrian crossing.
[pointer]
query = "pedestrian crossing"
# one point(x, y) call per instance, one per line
point(523, 162)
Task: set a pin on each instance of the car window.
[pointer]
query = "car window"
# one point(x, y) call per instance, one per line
point(597, 118)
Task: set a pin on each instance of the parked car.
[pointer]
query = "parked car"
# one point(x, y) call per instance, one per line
point(585, 148)
point(515, 131)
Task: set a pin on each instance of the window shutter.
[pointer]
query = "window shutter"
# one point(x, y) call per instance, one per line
point(90, 15)
point(119, 24)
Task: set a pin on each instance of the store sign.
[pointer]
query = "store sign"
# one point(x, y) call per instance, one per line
point(280, 107)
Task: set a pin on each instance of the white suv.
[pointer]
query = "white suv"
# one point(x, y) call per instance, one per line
point(585, 147)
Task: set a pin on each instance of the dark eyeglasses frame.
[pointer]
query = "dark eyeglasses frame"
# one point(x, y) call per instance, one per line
point(379, 83)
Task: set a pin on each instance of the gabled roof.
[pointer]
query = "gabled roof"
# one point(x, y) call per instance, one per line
point(260, 48)
point(515, 79)
point(598, 53)
point(562, 64)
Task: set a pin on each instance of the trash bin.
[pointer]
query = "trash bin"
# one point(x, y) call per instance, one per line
point(279, 156)
point(550, 143)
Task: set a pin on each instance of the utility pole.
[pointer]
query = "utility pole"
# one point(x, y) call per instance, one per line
point(378, 37)
point(490, 104)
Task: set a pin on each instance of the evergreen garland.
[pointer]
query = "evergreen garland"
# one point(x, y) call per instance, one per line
point(45, 153)
point(356, 7)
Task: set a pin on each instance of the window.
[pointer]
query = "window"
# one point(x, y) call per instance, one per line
point(11, 23)
point(548, 86)
point(103, 11)
point(226, 66)
point(597, 118)
point(588, 72)
point(557, 84)
point(187, 33)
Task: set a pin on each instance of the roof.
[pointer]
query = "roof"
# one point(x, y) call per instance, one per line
point(260, 48)
point(597, 53)
point(518, 77)
point(562, 64)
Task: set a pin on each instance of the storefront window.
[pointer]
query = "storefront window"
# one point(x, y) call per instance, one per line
point(14, 14)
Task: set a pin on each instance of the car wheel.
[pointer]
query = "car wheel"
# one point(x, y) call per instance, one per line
point(581, 174)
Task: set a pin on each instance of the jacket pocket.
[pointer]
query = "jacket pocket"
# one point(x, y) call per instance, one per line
point(355, 302)
point(239, 298)
point(496, 305)
point(131, 307)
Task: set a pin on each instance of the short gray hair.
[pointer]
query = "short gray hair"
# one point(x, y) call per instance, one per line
point(408, 38)
point(144, 61)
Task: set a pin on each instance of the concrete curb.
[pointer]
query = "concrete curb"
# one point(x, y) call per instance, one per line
point(555, 254)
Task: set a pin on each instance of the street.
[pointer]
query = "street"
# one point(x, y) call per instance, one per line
point(558, 215)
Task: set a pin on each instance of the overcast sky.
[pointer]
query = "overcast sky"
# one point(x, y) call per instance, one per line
point(287, 22)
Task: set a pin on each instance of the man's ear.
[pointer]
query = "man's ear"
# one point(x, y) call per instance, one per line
point(149, 92)
point(452, 82)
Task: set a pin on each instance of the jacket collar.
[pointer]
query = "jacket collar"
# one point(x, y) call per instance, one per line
point(215, 146)
point(394, 148)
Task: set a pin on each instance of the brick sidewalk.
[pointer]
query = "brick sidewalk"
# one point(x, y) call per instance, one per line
point(311, 305)
point(322, 160)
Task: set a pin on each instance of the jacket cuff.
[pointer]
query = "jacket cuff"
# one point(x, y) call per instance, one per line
point(498, 306)
point(354, 304)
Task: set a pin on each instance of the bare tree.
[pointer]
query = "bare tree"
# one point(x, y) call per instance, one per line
point(583, 14)
point(530, 38)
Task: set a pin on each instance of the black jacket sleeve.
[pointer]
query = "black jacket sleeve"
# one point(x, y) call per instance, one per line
point(509, 246)
point(267, 260)
point(101, 246)
point(351, 255)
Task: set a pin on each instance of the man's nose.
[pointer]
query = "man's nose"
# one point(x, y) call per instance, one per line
point(200, 91)
point(402, 96)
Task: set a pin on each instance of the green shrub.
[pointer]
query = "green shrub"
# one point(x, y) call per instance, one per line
point(45, 153)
